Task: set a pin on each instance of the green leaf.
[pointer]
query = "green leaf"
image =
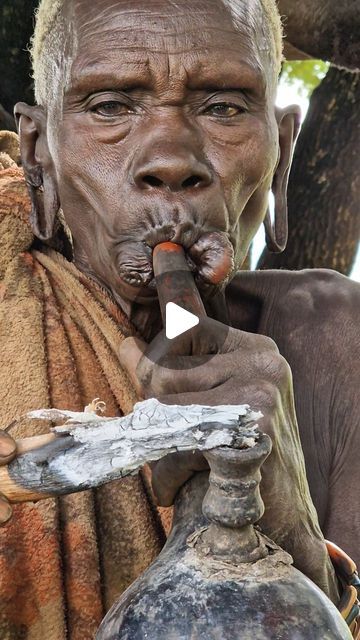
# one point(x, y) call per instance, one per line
point(305, 75)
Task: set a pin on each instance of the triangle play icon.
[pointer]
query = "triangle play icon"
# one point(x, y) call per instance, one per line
point(178, 320)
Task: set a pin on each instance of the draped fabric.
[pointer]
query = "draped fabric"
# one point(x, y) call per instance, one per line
point(63, 561)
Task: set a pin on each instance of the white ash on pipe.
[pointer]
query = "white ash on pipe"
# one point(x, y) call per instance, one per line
point(90, 450)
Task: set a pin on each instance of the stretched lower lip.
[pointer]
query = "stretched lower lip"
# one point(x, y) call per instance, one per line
point(210, 258)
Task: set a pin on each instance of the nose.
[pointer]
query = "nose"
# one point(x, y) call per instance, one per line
point(171, 169)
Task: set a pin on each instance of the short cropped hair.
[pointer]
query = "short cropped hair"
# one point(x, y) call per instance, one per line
point(53, 45)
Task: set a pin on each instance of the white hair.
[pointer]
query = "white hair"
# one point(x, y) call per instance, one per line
point(53, 44)
point(52, 51)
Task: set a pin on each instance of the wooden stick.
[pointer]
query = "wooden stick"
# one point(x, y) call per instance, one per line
point(174, 280)
point(90, 450)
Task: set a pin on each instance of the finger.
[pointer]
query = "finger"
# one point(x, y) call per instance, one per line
point(5, 510)
point(256, 395)
point(224, 394)
point(171, 472)
point(190, 374)
point(163, 370)
point(7, 448)
point(217, 353)
point(130, 353)
point(209, 337)
point(174, 280)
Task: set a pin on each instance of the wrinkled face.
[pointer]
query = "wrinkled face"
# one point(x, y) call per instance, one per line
point(168, 133)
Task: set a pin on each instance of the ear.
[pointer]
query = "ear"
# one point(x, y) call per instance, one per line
point(38, 168)
point(289, 120)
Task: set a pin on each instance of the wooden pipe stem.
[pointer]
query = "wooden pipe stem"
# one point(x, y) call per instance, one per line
point(174, 280)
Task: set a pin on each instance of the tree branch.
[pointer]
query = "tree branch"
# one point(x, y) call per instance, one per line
point(324, 29)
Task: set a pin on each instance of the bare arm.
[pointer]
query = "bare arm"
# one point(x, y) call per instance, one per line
point(313, 317)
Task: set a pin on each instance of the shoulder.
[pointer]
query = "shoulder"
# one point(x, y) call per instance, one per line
point(296, 297)
point(9, 149)
point(322, 293)
point(15, 208)
point(321, 290)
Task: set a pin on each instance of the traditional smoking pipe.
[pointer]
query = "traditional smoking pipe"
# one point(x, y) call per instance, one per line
point(217, 577)
point(174, 280)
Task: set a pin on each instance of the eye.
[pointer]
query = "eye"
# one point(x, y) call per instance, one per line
point(224, 110)
point(111, 108)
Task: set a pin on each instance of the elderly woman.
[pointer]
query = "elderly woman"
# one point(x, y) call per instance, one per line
point(156, 121)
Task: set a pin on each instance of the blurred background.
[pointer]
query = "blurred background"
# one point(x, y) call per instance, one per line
point(324, 186)
point(298, 81)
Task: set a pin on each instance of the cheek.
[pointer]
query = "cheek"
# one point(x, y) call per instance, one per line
point(244, 158)
point(88, 177)
point(246, 166)
point(88, 167)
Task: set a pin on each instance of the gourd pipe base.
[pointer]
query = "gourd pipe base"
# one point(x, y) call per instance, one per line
point(223, 582)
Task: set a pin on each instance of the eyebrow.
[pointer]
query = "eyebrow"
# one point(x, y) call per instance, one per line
point(229, 76)
point(95, 76)
point(232, 75)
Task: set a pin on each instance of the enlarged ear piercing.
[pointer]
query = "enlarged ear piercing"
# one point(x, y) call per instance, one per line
point(276, 235)
point(44, 205)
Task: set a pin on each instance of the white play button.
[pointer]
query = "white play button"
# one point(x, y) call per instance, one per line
point(178, 320)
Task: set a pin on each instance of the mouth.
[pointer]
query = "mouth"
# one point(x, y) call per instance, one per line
point(210, 258)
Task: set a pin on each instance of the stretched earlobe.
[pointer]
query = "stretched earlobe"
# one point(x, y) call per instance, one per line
point(276, 234)
point(44, 208)
point(37, 165)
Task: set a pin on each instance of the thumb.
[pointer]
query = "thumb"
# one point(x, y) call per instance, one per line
point(130, 353)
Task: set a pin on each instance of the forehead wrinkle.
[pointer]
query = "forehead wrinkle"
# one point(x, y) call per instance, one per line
point(171, 48)
point(167, 75)
point(114, 33)
point(175, 43)
point(151, 20)
point(154, 10)
point(113, 29)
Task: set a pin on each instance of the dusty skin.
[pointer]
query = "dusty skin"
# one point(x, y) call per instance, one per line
point(170, 133)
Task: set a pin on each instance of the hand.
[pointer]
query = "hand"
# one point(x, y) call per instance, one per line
point(249, 369)
point(7, 453)
point(213, 364)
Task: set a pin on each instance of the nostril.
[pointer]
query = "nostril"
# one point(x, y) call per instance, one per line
point(192, 181)
point(152, 181)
